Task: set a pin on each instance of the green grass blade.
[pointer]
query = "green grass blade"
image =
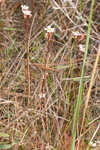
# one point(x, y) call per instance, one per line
point(79, 98)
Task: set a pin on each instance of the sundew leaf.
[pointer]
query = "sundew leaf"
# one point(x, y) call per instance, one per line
point(5, 135)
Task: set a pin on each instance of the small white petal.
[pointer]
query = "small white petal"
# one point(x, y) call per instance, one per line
point(25, 7)
point(76, 34)
point(49, 29)
point(92, 144)
point(27, 12)
point(81, 48)
point(42, 95)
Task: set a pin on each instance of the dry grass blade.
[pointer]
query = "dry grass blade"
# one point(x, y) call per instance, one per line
point(90, 86)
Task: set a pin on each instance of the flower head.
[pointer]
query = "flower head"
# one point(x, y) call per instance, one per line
point(26, 11)
point(49, 33)
point(81, 48)
point(24, 7)
point(76, 33)
point(42, 95)
point(49, 29)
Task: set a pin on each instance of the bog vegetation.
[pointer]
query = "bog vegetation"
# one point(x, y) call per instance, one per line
point(50, 74)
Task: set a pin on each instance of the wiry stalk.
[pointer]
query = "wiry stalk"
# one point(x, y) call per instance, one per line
point(28, 59)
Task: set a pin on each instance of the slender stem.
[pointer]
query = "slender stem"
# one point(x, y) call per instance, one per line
point(28, 58)
point(79, 98)
point(28, 74)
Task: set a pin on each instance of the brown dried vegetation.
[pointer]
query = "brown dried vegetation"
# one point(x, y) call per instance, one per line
point(39, 78)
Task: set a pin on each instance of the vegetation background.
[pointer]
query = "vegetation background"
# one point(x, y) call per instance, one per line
point(40, 76)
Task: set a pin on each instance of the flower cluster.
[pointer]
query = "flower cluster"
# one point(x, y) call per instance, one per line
point(26, 12)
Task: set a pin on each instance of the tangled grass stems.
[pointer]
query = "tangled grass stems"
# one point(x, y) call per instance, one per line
point(40, 77)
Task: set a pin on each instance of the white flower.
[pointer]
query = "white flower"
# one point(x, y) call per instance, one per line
point(49, 29)
point(26, 11)
point(42, 95)
point(92, 144)
point(76, 33)
point(24, 7)
point(81, 48)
